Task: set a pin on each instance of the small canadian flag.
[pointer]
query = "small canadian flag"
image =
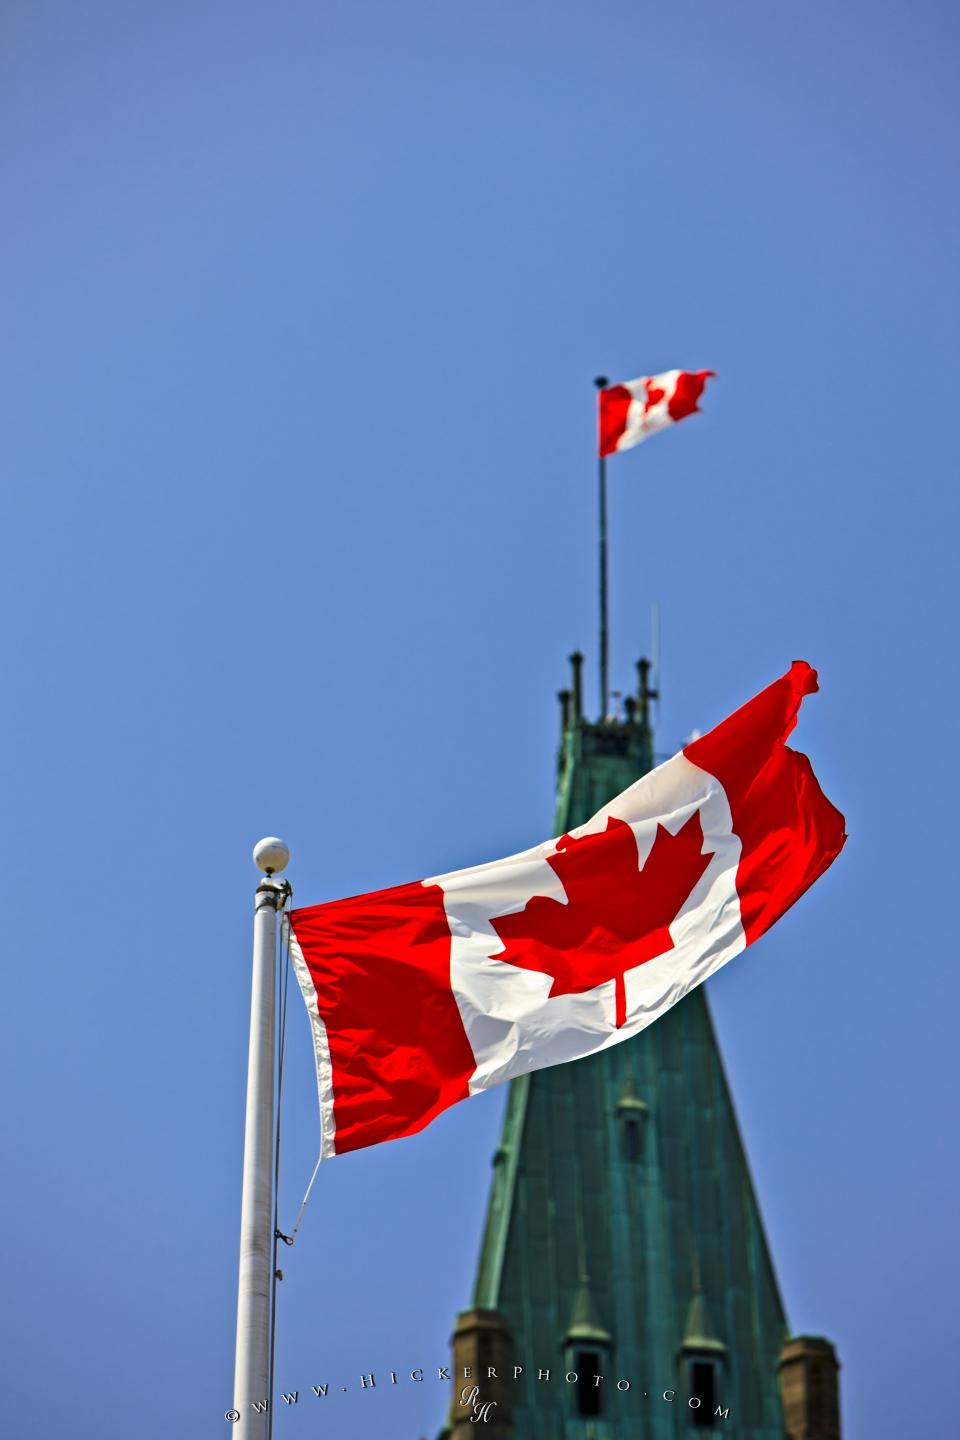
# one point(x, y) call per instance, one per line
point(630, 412)
point(426, 993)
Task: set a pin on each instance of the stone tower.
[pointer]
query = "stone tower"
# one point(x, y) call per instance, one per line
point(623, 1238)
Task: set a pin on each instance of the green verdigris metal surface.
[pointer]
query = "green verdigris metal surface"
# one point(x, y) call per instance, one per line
point(623, 1236)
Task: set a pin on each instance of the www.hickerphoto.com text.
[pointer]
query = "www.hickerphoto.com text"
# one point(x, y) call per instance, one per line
point(472, 1394)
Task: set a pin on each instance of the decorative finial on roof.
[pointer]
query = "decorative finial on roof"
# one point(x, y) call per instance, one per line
point(699, 1336)
point(645, 692)
point(629, 1099)
point(576, 663)
point(586, 1326)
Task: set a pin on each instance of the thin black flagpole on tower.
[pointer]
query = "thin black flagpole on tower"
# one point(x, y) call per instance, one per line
point(601, 383)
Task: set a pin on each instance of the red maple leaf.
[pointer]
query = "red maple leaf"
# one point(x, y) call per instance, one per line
point(617, 916)
point(654, 395)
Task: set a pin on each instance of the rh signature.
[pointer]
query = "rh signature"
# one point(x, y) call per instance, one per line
point(470, 1396)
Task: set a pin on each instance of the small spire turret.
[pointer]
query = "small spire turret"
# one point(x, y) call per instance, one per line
point(576, 663)
point(645, 692)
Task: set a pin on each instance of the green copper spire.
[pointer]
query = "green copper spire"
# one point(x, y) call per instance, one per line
point(623, 1237)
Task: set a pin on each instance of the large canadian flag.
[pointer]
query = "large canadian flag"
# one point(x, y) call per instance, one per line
point(630, 412)
point(423, 994)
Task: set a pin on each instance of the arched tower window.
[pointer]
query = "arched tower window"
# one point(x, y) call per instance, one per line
point(703, 1384)
point(589, 1393)
point(631, 1117)
point(587, 1349)
point(702, 1361)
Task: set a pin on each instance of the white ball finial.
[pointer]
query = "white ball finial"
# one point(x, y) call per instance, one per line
point(271, 855)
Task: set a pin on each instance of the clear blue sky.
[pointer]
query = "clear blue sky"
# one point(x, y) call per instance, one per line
point(302, 305)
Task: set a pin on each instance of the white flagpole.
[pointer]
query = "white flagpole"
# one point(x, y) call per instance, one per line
point(251, 1394)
